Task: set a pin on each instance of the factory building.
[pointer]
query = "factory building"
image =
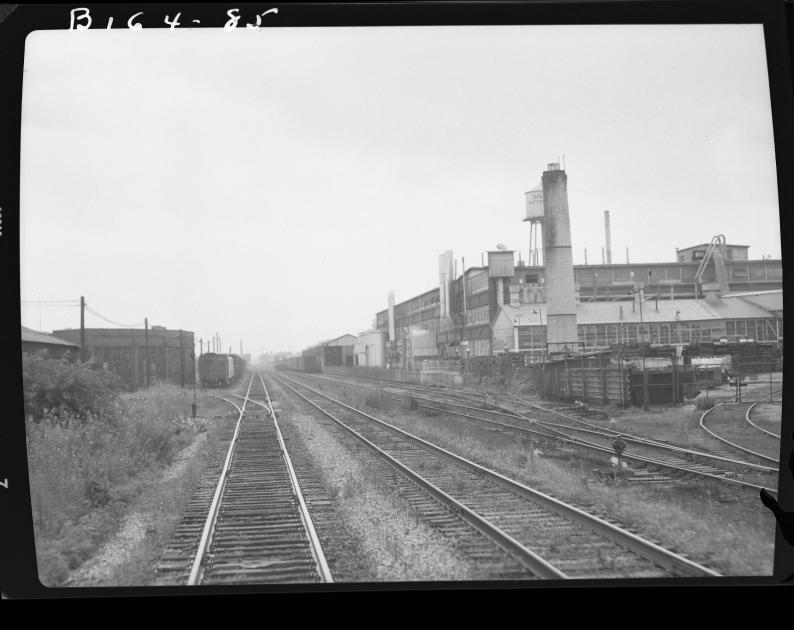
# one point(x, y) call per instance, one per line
point(126, 353)
point(334, 352)
point(34, 341)
point(710, 292)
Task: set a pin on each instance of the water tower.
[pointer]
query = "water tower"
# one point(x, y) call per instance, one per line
point(534, 214)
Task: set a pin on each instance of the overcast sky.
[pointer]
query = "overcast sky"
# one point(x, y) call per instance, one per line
point(273, 186)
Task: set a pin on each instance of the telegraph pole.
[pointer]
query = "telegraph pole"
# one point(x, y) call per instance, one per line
point(165, 358)
point(182, 357)
point(134, 363)
point(193, 358)
point(148, 360)
point(82, 329)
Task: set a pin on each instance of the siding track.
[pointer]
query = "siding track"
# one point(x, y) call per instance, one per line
point(650, 461)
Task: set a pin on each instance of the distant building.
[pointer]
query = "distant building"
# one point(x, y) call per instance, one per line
point(338, 352)
point(697, 252)
point(34, 341)
point(124, 352)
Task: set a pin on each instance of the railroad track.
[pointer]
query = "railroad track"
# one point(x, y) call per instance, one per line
point(550, 538)
point(740, 435)
point(698, 462)
point(649, 461)
point(766, 413)
point(252, 525)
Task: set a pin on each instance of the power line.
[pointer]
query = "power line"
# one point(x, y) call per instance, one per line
point(110, 321)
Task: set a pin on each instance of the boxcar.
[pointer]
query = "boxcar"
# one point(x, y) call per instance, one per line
point(216, 370)
point(240, 366)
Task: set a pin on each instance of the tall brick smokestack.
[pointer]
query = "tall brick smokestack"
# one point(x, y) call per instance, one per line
point(560, 288)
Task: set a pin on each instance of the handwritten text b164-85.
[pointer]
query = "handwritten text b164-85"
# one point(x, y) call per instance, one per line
point(81, 20)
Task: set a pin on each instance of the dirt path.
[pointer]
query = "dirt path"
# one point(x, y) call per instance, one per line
point(100, 569)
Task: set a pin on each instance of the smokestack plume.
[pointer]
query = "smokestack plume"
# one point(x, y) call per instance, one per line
point(608, 237)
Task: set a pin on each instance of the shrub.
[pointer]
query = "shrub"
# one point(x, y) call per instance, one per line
point(76, 391)
point(704, 402)
point(86, 463)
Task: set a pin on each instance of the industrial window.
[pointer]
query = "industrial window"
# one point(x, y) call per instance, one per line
point(757, 272)
point(585, 276)
point(739, 273)
point(477, 315)
point(601, 335)
point(688, 273)
point(621, 275)
point(477, 282)
point(531, 278)
point(730, 328)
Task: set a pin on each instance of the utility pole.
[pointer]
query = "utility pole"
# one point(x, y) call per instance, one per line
point(134, 363)
point(82, 329)
point(193, 359)
point(165, 358)
point(148, 359)
point(182, 357)
point(201, 346)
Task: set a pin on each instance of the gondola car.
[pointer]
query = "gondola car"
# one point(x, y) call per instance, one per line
point(216, 370)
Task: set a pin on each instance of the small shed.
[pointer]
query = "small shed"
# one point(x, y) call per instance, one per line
point(34, 341)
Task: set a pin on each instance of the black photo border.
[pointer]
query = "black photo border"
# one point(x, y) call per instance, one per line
point(18, 570)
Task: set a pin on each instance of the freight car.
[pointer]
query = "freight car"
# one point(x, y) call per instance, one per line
point(240, 366)
point(216, 370)
point(300, 363)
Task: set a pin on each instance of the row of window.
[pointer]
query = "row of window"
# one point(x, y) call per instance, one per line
point(477, 315)
point(758, 329)
point(602, 335)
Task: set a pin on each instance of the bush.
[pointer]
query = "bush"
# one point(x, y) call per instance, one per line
point(704, 402)
point(74, 391)
point(86, 463)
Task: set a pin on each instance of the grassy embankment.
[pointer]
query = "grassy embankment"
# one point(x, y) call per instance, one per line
point(94, 453)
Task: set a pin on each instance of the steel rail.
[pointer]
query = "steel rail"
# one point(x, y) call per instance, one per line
point(646, 549)
point(212, 515)
point(528, 558)
point(733, 444)
point(231, 402)
point(762, 429)
point(567, 439)
point(308, 524)
point(253, 400)
point(593, 429)
point(645, 441)
point(607, 433)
